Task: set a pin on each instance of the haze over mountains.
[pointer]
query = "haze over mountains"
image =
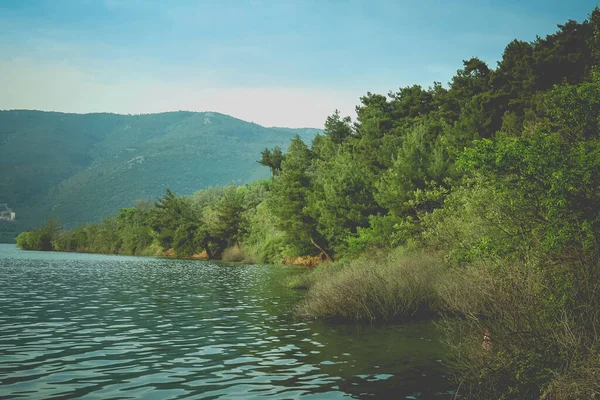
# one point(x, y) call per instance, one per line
point(81, 167)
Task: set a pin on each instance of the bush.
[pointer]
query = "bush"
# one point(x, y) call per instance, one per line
point(582, 381)
point(378, 287)
point(238, 254)
point(540, 343)
point(504, 300)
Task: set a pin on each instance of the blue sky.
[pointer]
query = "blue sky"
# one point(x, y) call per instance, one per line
point(282, 63)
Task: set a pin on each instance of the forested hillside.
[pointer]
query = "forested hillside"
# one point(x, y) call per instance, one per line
point(83, 167)
point(477, 201)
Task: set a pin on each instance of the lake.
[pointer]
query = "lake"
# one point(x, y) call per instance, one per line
point(113, 327)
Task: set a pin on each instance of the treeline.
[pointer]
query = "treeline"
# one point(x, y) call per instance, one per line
point(212, 223)
point(479, 200)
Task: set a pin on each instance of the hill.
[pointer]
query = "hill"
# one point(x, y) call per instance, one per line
point(80, 167)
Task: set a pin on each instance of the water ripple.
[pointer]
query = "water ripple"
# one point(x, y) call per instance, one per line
point(102, 327)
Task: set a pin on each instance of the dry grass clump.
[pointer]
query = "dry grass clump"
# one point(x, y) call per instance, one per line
point(503, 299)
point(377, 288)
point(541, 347)
point(304, 261)
point(581, 382)
point(309, 278)
point(487, 290)
point(238, 254)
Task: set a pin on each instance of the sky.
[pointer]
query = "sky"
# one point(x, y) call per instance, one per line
point(273, 62)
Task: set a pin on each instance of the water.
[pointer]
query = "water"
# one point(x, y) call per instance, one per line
point(111, 327)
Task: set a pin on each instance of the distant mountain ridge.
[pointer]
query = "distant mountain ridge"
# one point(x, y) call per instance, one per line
point(80, 167)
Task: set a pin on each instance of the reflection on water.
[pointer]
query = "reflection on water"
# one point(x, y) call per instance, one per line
point(121, 327)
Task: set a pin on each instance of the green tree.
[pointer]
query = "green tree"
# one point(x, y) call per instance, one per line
point(272, 159)
point(289, 201)
point(337, 128)
point(134, 228)
point(341, 198)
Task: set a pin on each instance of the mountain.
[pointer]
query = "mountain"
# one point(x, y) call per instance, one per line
point(80, 167)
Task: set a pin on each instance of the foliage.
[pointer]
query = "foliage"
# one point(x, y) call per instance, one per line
point(41, 238)
point(272, 159)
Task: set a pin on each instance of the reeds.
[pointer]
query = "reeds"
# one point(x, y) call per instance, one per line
point(375, 288)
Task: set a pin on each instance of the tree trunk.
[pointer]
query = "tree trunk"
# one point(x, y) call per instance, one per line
point(208, 252)
point(327, 257)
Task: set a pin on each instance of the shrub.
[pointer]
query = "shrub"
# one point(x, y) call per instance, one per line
point(582, 381)
point(376, 288)
point(238, 254)
point(504, 300)
point(541, 344)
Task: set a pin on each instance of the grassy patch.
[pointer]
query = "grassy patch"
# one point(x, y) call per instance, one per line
point(541, 346)
point(238, 254)
point(580, 382)
point(374, 288)
point(309, 278)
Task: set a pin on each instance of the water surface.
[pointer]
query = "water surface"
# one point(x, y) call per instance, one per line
point(112, 327)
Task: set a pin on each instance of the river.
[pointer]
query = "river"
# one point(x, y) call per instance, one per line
point(114, 327)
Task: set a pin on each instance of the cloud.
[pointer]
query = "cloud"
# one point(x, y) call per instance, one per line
point(61, 86)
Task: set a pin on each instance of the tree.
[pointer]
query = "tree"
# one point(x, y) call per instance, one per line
point(170, 212)
point(341, 198)
point(272, 159)
point(338, 128)
point(134, 228)
point(229, 225)
point(42, 238)
point(289, 201)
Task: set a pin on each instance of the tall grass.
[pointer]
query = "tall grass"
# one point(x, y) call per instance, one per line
point(541, 345)
point(310, 278)
point(581, 381)
point(503, 299)
point(238, 254)
point(379, 287)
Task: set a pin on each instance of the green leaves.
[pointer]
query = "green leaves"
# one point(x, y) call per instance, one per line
point(337, 128)
point(557, 183)
point(42, 238)
point(289, 200)
point(272, 159)
point(342, 197)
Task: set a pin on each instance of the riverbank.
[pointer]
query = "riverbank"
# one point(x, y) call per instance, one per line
point(376, 287)
point(507, 335)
